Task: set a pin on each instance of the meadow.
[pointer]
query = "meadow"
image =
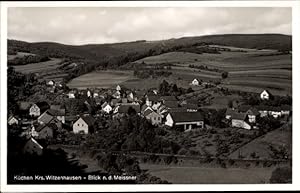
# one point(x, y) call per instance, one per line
point(203, 175)
point(101, 79)
point(250, 70)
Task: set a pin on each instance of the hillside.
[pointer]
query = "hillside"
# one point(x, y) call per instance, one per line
point(96, 52)
point(111, 56)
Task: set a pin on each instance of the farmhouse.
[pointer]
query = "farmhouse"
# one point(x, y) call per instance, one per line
point(239, 120)
point(151, 100)
point(118, 88)
point(195, 82)
point(252, 114)
point(185, 120)
point(32, 147)
point(85, 125)
point(12, 120)
point(145, 107)
point(72, 94)
point(51, 83)
point(38, 108)
point(46, 131)
point(106, 107)
point(191, 107)
point(265, 95)
point(154, 117)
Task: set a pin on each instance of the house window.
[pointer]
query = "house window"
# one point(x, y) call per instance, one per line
point(78, 124)
point(158, 118)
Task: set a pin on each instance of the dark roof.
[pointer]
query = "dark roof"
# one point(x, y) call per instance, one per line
point(253, 111)
point(89, 120)
point(58, 112)
point(168, 98)
point(190, 106)
point(153, 98)
point(24, 105)
point(45, 117)
point(171, 104)
point(124, 108)
point(238, 116)
point(147, 112)
point(178, 109)
point(186, 117)
point(244, 108)
point(43, 106)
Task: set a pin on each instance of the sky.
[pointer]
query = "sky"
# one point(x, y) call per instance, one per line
point(77, 26)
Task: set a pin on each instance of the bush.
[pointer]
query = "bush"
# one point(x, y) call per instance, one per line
point(281, 175)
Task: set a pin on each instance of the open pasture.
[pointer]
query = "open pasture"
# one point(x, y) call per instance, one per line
point(39, 67)
point(213, 175)
point(101, 79)
point(252, 70)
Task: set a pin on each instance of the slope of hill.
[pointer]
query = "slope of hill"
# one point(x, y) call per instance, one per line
point(103, 56)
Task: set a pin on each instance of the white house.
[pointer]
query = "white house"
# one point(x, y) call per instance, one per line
point(38, 108)
point(71, 94)
point(118, 88)
point(12, 120)
point(185, 120)
point(106, 107)
point(239, 120)
point(50, 83)
point(154, 117)
point(88, 93)
point(84, 124)
point(265, 95)
point(195, 82)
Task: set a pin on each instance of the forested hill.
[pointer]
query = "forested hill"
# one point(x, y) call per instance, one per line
point(114, 55)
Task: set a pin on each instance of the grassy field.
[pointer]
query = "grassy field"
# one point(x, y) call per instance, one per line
point(276, 138)
point(252, 70)
point(101, 79)
point(198, 175)
point(40, 67)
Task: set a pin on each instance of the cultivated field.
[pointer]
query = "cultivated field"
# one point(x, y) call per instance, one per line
point(101, 79)
point(40, 67)
point(251, 70)
point(199, 175)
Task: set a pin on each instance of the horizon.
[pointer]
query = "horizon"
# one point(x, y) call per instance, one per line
point(107, 25)
point(138, 40)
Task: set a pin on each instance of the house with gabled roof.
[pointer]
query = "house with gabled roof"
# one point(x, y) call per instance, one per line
point(32, 147)
point(154, 117)
point(265, 95)
point(239, 120)
point(84, 125)
point(195, 82)
point(12, 120)
point(38, 108)
point(46, 131)
point(252, 114)
point(185, 120)
point(106, 107)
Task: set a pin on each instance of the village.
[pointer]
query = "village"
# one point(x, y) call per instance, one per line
point(43, 120)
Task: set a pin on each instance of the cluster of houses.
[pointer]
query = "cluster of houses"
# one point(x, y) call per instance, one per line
point(245, 116)
point(46, 119)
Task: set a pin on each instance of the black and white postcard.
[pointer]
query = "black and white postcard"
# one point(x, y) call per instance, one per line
point(132, 93)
